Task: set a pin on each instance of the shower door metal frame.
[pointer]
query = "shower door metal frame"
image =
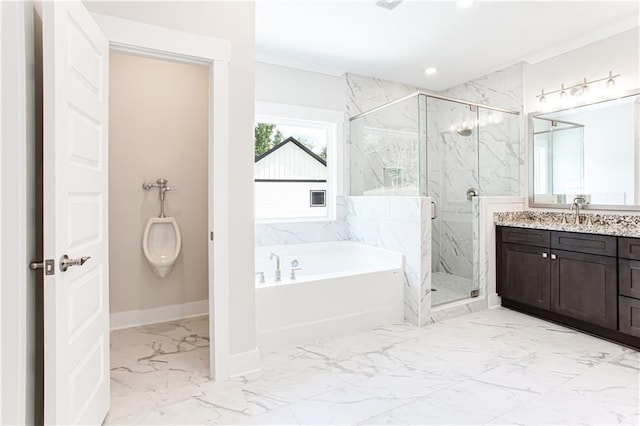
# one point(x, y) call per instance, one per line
point(435, 96)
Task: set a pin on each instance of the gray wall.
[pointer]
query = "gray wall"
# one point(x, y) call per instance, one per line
point(157, 128)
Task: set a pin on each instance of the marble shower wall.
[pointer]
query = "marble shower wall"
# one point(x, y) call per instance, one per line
point(277, 233)
point(490, 158)
point(502, 138)
point(401, 224)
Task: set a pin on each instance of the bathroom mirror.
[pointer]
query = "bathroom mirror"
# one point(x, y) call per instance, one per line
point(590, 151)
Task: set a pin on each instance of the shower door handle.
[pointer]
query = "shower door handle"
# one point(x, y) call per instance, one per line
point(471, 192)
point(434, 210)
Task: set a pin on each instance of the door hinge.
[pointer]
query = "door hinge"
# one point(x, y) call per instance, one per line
point(211, 236)
point(48, 265)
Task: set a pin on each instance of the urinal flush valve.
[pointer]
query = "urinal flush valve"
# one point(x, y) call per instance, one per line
point(162, 186)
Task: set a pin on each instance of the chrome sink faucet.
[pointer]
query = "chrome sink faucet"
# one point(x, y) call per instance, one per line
point(278, 276)
point(577, 202)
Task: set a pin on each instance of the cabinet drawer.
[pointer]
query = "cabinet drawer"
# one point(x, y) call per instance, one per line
point(629, 248)
point(604, 245)
point(629, 315)
point(629, 278)
point(531, 237)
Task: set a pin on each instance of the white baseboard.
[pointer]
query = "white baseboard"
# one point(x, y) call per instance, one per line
point(244, 362)
point(162, 314)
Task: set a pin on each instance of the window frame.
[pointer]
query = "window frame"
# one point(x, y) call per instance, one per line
point(333, 121)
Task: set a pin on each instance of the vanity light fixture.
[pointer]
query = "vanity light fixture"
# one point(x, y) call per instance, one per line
point(431, 71)
point(579, 89)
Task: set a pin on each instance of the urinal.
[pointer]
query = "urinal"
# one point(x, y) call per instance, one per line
point(161, 243)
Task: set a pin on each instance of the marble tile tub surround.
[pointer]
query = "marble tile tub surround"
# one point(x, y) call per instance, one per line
point(308, 231)
point(401, 224)
point(491, 367)
point(606, 224)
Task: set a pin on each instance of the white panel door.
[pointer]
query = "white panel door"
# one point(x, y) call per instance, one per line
point(76, 303)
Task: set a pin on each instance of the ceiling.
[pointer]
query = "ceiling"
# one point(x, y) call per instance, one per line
point(335, 37)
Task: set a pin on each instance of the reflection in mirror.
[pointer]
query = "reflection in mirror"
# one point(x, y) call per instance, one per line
point(590, 151)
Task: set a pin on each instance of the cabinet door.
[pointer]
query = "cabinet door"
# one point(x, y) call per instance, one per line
point(584, 287)
point(629, 316)
point(525, 275)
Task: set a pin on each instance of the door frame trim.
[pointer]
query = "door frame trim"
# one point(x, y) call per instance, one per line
point(17, 220)
point(178, 46)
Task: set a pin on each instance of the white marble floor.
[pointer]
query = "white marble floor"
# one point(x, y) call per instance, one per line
point(447, 288)
point(490, 367)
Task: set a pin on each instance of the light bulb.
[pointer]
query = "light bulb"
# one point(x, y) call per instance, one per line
point(431, 70)
point(585, 88)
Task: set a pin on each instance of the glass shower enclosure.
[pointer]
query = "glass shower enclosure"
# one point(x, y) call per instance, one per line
point(446, 149)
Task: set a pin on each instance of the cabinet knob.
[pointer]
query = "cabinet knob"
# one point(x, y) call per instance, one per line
point(554, 257)
point(544, 255)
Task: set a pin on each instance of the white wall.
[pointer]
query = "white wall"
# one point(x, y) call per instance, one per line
point(292, 86)
point(17, 219)
point(619, 53)
point(235, 22)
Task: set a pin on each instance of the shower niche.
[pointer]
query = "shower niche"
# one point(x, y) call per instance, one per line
point(451, 151)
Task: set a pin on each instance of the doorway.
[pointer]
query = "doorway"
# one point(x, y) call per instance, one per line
point(158, 127)
point(76, 199)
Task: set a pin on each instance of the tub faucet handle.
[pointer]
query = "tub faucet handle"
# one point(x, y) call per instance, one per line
point(293, 273)
point(261, 274)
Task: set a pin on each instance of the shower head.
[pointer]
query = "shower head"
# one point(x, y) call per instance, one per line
point(464, 131)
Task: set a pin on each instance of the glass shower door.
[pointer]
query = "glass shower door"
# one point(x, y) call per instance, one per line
point(453, 184)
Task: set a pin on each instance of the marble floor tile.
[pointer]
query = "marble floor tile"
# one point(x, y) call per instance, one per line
point(490, 367)
point(559, 408)
point(447, 288)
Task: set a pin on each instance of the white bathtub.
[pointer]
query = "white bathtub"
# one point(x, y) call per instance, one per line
point(343, 287)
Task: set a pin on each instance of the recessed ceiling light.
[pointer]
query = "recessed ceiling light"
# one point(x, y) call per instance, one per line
point(463, 4)
point(431, 71)
point(388, 4)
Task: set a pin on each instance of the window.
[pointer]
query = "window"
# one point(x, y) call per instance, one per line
point(318, 198)
point(296, 162)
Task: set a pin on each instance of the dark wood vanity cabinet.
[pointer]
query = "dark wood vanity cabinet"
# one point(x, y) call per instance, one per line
point(572, 278)
point(629, 286)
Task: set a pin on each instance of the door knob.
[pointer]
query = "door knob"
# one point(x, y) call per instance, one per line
point(66, 263)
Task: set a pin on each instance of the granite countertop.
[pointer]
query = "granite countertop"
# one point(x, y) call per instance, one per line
point(604, 224)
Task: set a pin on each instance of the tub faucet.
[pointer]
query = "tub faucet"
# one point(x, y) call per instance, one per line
point(278, 272)
point(576, 203)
